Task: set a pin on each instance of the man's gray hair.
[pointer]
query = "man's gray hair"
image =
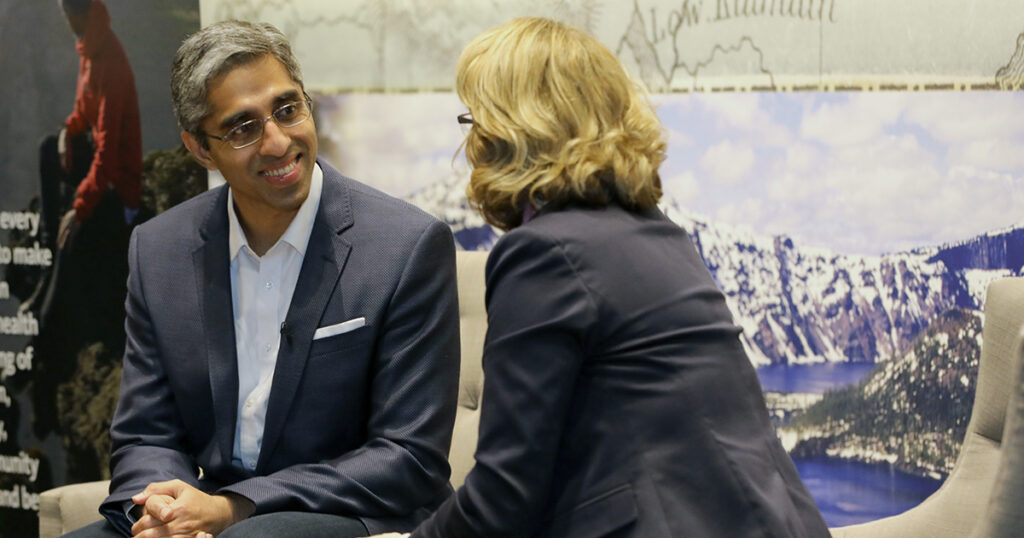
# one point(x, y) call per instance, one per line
point(215, 50)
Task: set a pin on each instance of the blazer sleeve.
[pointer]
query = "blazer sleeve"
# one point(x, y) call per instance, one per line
point(403, 465)
point(148, 441)
point(540, 318)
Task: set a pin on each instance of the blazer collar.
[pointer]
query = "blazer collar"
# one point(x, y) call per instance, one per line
point(318, 283)
point(211, 263)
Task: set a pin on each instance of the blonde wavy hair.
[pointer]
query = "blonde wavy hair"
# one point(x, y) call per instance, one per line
point(556, 120)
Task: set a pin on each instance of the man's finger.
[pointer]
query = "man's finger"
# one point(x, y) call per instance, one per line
point(170, 487)
point(161, 507)
point(144, 495)
point(146, 522)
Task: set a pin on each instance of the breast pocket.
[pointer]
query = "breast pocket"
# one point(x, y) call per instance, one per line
point(335, 384)
point(341, 342)
point(596, 517)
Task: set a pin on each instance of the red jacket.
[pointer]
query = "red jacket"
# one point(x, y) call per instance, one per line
point(106, 102)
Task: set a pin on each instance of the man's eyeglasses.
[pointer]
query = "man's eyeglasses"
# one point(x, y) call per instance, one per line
point(249, 132)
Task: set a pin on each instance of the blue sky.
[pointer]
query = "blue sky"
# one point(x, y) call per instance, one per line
point(861, 173)
point(858, 173)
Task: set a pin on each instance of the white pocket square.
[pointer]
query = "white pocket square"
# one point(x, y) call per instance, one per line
point(338, 328)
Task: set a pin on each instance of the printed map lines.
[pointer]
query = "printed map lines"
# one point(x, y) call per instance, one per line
point(1011, 75)
point(652, 72)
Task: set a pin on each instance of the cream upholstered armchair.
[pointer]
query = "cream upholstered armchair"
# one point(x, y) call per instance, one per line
point(67, 508)
point(1004, 517)
point(966, 501)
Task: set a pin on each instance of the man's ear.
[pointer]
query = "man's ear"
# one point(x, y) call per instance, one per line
point(196, 148)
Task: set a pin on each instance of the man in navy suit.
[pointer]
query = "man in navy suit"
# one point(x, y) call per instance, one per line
point(291, 365)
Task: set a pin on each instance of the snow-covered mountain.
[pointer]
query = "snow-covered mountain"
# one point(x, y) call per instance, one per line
point(800, 304)
point(912, 411)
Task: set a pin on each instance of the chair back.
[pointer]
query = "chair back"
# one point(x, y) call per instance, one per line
point(1005, 518)
point(1004, 317)
point(473, 326)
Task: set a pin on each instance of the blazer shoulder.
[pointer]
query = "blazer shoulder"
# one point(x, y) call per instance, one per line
point(561, 227)
point(369, 198)
point(600, 225)
point(184, 220)
point(372, 207)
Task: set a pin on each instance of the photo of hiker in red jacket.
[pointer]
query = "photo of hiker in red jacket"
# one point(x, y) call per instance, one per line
point(90, 194)
point(105, 106)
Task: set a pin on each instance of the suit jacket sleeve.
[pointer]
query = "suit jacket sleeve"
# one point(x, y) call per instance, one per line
point(403, 464)
point(540, 318)
point(147, 436)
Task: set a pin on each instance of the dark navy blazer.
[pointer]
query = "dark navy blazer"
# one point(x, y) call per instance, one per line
point(618, 399)
point(357, 424)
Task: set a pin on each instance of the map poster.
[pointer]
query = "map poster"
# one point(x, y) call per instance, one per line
point(671, 45)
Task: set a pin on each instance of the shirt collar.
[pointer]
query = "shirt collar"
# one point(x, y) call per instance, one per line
point(298, 232)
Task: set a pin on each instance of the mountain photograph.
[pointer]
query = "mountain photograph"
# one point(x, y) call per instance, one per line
point(853, 234)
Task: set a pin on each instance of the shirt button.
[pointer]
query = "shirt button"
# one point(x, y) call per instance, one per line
point(269, 285)
point(266, 347)
point(252, 464)
point(248, 403)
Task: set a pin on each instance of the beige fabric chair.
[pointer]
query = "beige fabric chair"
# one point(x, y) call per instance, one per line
point(1005, 516)
point(67, 508)
point(473, 326)
point(961, 501)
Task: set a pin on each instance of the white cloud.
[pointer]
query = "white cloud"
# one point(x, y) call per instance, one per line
point(891, 193)
point(801, 158)
point(683, 188)
point(747, 212)
point(894, 194)
point(741, 110)
point(963, 117)
point(678, 139)
point(790, 187)
point(994, 153)
point(747, 114)
point(728, 162)
point(397, 143)
point(859, 119)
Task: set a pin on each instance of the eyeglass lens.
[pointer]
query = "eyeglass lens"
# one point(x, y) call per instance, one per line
point(287, 115)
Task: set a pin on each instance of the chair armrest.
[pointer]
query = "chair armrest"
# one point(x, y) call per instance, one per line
point(67, 508)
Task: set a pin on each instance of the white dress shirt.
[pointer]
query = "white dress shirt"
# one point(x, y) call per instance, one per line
point(261, 291)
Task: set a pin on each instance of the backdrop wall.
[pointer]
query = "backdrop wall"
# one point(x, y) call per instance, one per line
point(849, 170)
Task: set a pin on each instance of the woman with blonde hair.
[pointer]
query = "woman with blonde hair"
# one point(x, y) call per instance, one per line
point(618, 400)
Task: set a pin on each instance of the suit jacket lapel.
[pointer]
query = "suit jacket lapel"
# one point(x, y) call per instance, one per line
point(321, 268)
point(212, 269)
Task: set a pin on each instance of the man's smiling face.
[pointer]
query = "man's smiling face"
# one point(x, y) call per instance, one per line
point(270, 178)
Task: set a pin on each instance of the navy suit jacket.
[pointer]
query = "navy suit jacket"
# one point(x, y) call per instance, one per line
point(618, 399)
point(357, 424)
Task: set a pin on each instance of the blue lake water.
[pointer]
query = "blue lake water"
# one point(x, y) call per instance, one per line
point(812, 378)
point(849, 492)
